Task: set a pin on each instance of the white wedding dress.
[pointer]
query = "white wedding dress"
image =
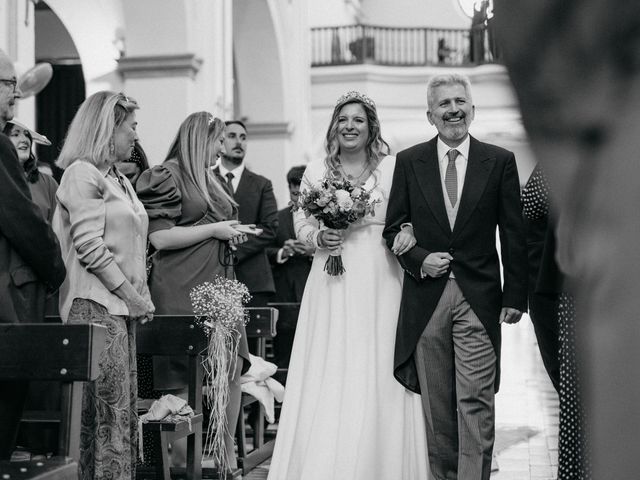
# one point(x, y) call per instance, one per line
point(344, 415)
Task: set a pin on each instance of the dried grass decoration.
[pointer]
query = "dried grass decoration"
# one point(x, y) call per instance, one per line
point(219, 309)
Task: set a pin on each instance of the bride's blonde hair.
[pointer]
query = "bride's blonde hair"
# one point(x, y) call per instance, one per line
point(377, 148)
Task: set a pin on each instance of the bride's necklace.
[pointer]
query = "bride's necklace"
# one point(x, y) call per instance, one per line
point(351, 177)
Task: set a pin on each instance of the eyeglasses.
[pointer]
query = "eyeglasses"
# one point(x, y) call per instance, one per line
point(10, 81)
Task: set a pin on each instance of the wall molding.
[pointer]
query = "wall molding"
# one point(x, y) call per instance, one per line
point(390, 74)
point(153, 66)
point(269, 129)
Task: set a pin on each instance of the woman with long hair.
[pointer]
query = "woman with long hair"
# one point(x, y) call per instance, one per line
point(102, 228)
point(344, 415)
point(192, 228)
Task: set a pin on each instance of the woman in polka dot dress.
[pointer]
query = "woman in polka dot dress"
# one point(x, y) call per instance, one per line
point(573, 446)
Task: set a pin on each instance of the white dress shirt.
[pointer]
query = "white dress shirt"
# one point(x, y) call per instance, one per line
point(237, 173)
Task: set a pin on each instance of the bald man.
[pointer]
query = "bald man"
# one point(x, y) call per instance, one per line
point(29, 254)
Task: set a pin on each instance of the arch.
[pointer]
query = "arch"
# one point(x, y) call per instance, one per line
point(94, 25)
point(258, 62)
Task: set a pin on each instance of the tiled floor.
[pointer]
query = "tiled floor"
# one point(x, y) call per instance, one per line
point(526, 412)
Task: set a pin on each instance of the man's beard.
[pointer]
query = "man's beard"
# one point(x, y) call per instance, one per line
point(234, 160)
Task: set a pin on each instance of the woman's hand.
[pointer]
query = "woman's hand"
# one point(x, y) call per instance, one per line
point(141, 309)
point(404, 241)
point(224, 231)
point(330, 238)
point(138, 307)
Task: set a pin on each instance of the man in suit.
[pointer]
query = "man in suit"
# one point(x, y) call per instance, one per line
point(256, 205)
point(455, 191)
point(29, 254)
point(291, 262)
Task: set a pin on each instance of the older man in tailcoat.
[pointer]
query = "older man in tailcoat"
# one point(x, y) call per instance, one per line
point(455, 191)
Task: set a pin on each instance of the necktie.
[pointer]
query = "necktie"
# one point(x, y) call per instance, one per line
point(230, 176)
point(451, 177)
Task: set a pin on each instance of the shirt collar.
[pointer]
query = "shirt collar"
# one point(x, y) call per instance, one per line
point(237, 172)
point(443, 149)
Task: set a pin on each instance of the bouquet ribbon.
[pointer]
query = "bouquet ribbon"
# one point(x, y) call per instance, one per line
point(334, 266)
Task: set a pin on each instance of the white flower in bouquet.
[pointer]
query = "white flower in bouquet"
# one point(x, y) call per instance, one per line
point(343, 199)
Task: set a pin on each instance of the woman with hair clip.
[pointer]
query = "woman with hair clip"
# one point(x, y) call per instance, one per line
point(102, 228)
point(344, 415)
point(192, 224)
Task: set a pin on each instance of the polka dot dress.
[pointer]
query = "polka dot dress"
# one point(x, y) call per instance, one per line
point(145, 390)
point(535, 196)
point(573, 463)
point(573, 458)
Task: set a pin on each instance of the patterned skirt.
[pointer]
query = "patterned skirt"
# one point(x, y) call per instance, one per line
point(108, 437)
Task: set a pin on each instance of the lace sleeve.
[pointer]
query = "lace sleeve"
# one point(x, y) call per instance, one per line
point(307, 228)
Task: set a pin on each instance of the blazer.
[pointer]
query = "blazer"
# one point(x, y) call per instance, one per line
point(490, 198)
point(256, 204)
point(290, 277)
point(30, 260)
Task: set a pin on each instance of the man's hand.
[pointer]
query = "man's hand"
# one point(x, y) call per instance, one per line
point(436, 264)
point(288, 249)
point(510, 315)
point(301, 248)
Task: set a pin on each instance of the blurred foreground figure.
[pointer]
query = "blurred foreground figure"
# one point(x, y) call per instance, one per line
point(30, 261)
point(579, 91)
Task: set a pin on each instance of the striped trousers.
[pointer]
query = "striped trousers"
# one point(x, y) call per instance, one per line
point(456, 366)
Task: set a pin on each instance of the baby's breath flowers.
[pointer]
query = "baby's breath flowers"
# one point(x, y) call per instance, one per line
point(219, 309)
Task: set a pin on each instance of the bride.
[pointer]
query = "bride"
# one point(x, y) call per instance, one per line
point(344, 415)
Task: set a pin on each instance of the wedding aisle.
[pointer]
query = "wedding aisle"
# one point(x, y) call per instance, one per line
point(526, 412)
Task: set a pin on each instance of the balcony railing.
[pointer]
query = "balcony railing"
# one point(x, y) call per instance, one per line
point(356, 44)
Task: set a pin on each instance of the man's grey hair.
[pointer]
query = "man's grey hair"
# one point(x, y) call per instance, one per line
point(449, 79)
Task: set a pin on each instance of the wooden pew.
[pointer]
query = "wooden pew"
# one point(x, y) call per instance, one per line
point(287, 321)
point(177, 335)
point(262, 325)
point(66, 353)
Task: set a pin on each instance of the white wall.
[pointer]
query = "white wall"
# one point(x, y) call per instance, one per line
point(396, 13)
point(415, 13)
point(17, 41)
point(330, 13)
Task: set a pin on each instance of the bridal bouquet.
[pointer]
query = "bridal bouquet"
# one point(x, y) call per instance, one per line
point(336, 203)
point(219, 309)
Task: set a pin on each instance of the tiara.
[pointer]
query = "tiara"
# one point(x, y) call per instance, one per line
point(354, 95)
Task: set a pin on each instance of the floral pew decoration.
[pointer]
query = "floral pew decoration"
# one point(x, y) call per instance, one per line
point(219, 309)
